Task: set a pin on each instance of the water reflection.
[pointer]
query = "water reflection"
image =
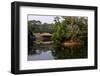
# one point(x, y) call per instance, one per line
point(52, 52)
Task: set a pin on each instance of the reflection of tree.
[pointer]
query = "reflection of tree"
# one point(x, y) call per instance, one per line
point(69, 53)
point(59, 52)
point(39, 48)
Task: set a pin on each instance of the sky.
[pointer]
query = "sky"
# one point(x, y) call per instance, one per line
point(42, 18)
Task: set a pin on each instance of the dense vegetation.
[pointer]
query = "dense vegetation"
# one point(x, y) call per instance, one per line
point(70, 28)
point(37, 27)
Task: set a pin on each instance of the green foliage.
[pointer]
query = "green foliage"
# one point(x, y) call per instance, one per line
point(71, 28)
point(38, 27)
point(60, 32)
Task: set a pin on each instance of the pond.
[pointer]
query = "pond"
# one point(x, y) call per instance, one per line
point(52, 52)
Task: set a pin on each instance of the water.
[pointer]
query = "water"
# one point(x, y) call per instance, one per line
point(52, 52)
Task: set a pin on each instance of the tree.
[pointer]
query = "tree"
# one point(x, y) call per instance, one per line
point(77, 27)
point(33, 25)
point(70, 28)
point(59, 31)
